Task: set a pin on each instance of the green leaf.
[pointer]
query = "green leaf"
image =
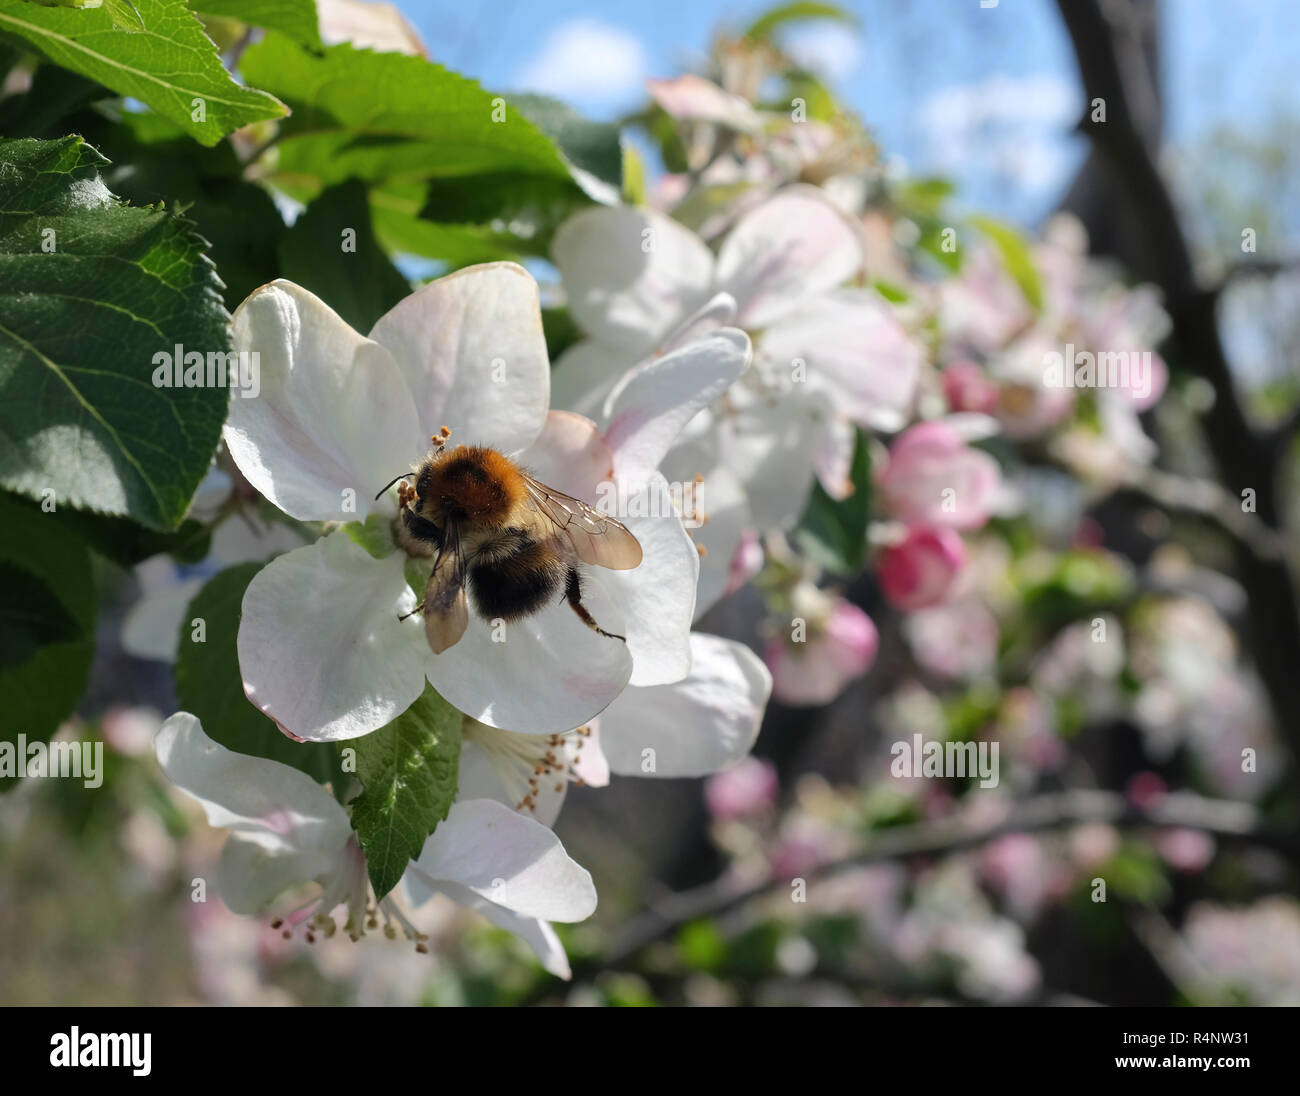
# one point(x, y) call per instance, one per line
point(208, 681)
point(294, 18)
point(47, 622)
point(30, 617)
point(525, 208)
point(374, 535)
point(90, 291)
point(635, 188)
point(388, 117)
point(934, 243)
point(706, 201)
point(394, 211)
point(123, 541)
point(408, 771)
point(892, 293)
point(54, 93)
point(1016, 257)
point(125, 15)
point(561, 331)
point(762, 29)
point(153, 161)
point(173, 66)
point(819, 100)
point(834, 531)
point(592, 147)
point(925, 196)
point(331, 250)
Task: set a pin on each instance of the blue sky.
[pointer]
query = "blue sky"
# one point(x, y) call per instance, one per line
point(986, 96)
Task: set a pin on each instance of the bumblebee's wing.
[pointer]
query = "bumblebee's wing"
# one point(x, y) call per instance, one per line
point(597, 538)
point(446, 614)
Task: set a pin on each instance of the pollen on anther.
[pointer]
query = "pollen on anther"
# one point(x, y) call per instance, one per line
point(702, 550)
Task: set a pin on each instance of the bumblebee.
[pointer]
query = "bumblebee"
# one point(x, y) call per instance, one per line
point(500, 539)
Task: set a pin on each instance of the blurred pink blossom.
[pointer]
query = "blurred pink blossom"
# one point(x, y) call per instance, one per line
point(967, 387)
point(1145, 790)
point(922, 569)
point(957, 640)
point(746, 562)
point(934, 478)
point(1184, 850)
point(1016, 867)
point(130, 731)
point(747, 788)
point(1092, 844)
point(804, 843)
point(816, 672)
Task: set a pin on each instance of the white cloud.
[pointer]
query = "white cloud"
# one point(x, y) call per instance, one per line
point(1015, 130)
point(831, 50)
point(588, 63)
point(1004, 100)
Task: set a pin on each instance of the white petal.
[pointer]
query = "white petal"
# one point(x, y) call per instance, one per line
point(243, 539)
point(720, 499)
point(320, 646)
point(152, 628)
point(718, 312)
point(833, 458)
point(695, 726)
point(852, 346)
point(471, 348)
point(333, 414)
point(536, 933)
point(695, 99)
point(481, 777)
point(507, 859)
point(583, 376)
point(631, 275)
point(590, 763)
point(570, 455)
point(273, 805)
point(657, 599)
point(660, 396)
point(250, 876)
point(549, 674)
point(795, 246)
point(771, 445)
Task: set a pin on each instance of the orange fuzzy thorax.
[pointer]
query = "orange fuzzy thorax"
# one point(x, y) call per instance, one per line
point(476, 483)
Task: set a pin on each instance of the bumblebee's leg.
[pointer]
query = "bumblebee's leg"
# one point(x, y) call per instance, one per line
point(573, 595)
point(418, 609)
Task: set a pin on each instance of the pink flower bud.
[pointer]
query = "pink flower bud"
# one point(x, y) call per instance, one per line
point(921, 570)
point(967, 387)
point(1185, 850)
point(745, 789)
point(1145, 790)
point(934, 478)
point(816, 672)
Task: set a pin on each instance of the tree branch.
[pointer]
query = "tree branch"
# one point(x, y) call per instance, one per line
point(1110, 68)
point(1225, 819)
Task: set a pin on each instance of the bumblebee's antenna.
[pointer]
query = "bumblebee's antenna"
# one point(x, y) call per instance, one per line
point(404, 475)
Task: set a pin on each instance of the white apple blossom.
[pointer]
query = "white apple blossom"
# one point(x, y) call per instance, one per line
point(705, 722)
point(322, 649)
point(288, 832)
point(825, 357)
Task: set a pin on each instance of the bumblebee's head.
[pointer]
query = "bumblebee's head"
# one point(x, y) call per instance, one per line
point(422, 473)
